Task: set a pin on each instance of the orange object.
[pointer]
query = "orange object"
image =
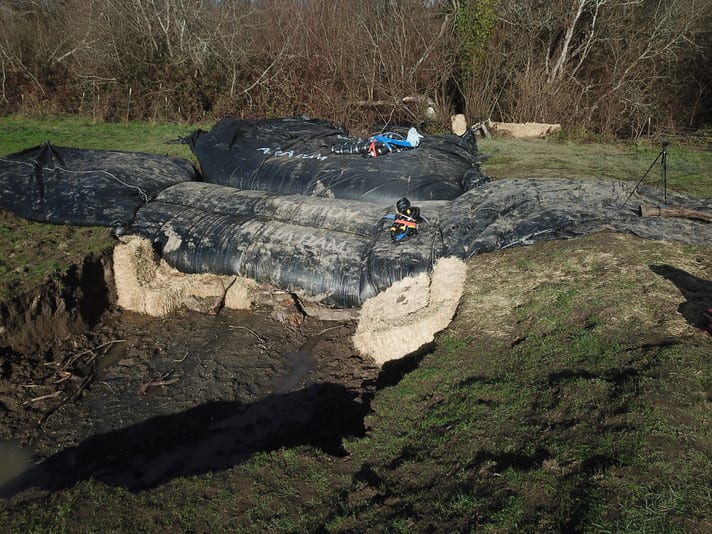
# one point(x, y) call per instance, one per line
point(405, 222)
point(372, 149)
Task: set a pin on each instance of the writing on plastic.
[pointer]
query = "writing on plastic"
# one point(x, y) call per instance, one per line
point(291, 153)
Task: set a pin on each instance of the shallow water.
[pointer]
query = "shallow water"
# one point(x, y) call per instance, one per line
point(114, 353)
point(14, 461)
point(300, 363)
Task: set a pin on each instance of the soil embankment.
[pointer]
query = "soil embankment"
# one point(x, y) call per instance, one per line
point(135, 401)
point(67, 303)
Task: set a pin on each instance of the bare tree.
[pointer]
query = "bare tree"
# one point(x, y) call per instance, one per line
point(606, 65)
point(579, 38)
point(601, 64)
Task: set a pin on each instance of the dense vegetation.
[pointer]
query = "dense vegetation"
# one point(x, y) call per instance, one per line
point(603, 66)
point(570, 394)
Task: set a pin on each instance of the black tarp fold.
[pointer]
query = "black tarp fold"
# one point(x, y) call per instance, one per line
point(64, 185)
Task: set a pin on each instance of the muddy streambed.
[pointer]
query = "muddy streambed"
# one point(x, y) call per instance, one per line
point(136, 401)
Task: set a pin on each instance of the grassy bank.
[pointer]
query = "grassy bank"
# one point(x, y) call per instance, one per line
point(689, 167)
point(570, 394)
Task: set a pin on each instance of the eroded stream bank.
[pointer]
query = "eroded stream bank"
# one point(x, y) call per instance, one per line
point(135, 401)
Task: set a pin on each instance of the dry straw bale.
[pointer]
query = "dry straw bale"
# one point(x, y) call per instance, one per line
point(146, 284)
point(406, 316)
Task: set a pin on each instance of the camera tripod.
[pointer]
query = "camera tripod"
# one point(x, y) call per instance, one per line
point(662, 156)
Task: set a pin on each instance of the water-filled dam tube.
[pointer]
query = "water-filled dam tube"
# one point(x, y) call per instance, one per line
point(332, 250)
point(339, 252)
point(295, 156)
point(64, 185)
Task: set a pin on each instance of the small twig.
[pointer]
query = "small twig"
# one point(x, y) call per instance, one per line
point(164, 382)
point(76, 356)
point(251, 331)
point(84, 385)
point(161, 381)
point(221, 304)
point(182, 359)
point(45, 397)
point(66, 375)
point(107, 385)
point(330, 329)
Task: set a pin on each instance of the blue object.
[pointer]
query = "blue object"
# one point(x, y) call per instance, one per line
point(388, 141)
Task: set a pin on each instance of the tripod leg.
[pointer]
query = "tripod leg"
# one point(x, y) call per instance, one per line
point(663, 165)
point(643, 178)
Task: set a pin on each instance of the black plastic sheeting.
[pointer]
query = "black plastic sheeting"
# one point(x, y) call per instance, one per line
point(335, 250)
point(340, 251)
point(506, 213)
point(85, 187)
point(293, 156)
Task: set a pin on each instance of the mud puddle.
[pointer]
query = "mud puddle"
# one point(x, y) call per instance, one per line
point(139, 401)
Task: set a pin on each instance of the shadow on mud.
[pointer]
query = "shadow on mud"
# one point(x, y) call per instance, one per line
point(215, 436)
point(212, 437)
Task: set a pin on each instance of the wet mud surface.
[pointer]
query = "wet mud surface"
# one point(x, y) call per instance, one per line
point(138, 401)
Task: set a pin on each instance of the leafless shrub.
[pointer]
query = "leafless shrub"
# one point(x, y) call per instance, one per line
point(602, 65)
point(612, 67)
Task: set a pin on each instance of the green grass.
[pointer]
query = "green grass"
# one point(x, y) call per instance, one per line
point(689, 167)
point(568, 395)
point(556, 434)
point(18, 132)
point(32, 251)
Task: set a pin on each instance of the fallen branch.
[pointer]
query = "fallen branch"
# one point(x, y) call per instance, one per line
point(88, 380)
point(183, 358)
point(654, 211)
point(419, 99)
point(65, 375)
point(85, 384)
point(221, 304)
point(249, 330)
point(482, 128)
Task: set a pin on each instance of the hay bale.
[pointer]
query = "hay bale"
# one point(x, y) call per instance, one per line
point(458, 124)
point(524, 130)
point(406, 316)
point(392, 324)
point(145, 284)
